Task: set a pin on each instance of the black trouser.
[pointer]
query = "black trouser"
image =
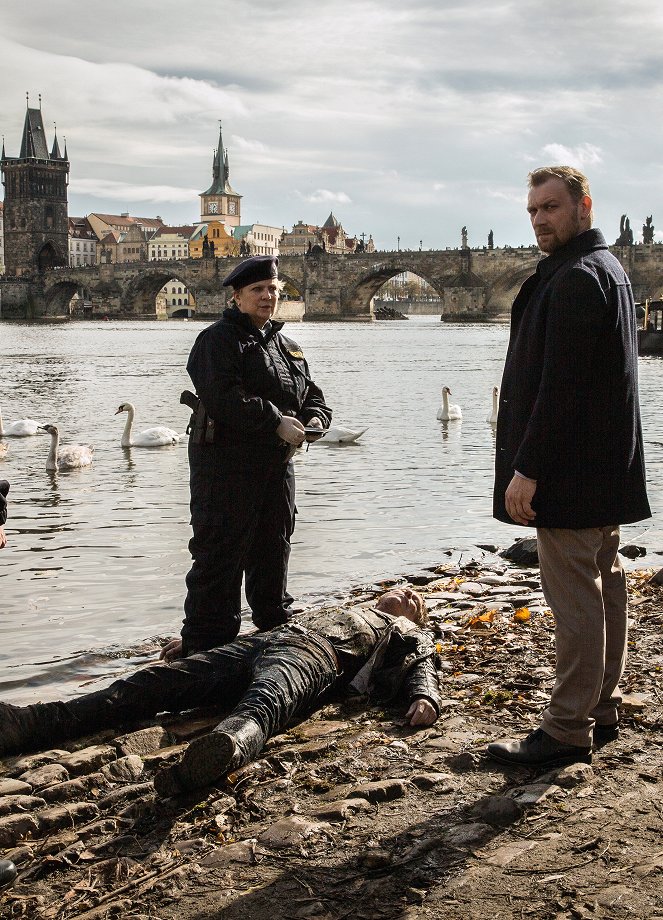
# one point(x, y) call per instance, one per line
point(245, 529)
point(265, 678)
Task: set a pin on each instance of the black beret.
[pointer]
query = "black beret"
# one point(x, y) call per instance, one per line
point(257, 268)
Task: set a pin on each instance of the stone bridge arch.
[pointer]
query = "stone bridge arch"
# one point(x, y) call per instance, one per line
point(361, 294)
point(140, 290)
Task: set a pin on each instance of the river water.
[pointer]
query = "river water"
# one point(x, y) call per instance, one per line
point(96, 558)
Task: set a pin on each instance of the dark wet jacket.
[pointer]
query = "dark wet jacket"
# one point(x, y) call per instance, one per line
point(404, 663)
point(569, 415)
point(4, 489)
point(248, 381)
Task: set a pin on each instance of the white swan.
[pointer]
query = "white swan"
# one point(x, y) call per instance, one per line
point(69, 457)
point(159, 436)
point(448, 412)
point(341, 435)
point(23, 428)
point(492, 418)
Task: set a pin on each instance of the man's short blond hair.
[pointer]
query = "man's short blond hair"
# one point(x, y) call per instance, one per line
point(422, 610)
point(576, 182)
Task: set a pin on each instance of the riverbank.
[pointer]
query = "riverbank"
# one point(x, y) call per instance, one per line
point(353, 814)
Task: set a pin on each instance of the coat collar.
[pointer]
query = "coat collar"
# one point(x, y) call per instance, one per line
point(234, 315)
point(588, 241)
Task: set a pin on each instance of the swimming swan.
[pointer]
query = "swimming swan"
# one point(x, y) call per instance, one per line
point(446, 412)
point(492, 418)
point(159, 436)
point(23, 428)
point(69, 457)
point(341, 435)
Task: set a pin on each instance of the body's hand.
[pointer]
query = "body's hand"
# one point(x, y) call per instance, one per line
point(3, 538)
point(518, 499)
point(314, 423)
point(421, 713)
point(172, 651)
point(291, 431)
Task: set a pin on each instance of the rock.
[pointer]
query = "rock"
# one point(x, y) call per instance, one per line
point(380, 791)
point(64, 816)
point(340, 810)
point(575, 774)
point(140, 790)
point(88, 759)
point(443, 782)
point(534, 793)
point(46, 775)
point(12, 804)
point(126, 769)
point(508, 852)
point(75, 788)
point(467, 835)
point(632, 551)
point(33, 761)
point(241, 852)
point(657, 578)
point(144, 741)
point(522, 552)
point(317, 728)
point(14, 787)
point(15, 827)
point(497, 810)
point(291, 832)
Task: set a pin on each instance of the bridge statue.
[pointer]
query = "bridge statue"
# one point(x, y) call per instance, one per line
point(463, 237)
point(491, 244)
point(625, 237)
point(648, 231)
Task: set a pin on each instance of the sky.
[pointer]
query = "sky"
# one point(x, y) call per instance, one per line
point(408, 120)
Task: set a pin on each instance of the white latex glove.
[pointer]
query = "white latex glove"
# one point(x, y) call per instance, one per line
point(291, 431)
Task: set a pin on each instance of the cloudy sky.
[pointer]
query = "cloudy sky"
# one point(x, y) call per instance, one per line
point(407, 118)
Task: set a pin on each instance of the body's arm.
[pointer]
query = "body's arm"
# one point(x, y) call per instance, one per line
point(421, 689)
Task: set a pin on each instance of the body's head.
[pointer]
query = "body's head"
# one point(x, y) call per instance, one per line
point(559, 205)
point(404, 602)
point(256, 288)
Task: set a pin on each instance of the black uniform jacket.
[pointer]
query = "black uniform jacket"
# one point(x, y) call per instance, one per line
point(404, 660)
point(569, 414)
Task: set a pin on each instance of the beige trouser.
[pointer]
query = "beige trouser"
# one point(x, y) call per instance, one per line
point(584, 583)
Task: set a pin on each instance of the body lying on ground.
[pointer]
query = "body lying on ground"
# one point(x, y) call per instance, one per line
point(262, 680)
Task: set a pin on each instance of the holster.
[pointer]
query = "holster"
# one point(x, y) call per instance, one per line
point(201, 426)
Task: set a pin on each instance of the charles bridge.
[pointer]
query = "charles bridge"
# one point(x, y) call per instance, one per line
point(471, 283)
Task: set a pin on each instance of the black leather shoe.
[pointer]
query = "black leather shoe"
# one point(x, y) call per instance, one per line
point(8, 872)
point(539, 749)
point(604, 734)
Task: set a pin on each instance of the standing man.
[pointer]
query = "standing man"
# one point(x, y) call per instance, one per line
point(570, 460)
point(256, 396)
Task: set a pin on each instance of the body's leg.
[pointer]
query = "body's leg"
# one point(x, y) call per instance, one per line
point(218, 677)
point(290, 677)
point(269, 550)
point(615, 604)
point(572, 584)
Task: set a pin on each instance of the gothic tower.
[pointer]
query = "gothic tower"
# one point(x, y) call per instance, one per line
point(36, 220)
point(220, 201)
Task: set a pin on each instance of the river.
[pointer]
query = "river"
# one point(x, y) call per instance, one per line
point(96, 558)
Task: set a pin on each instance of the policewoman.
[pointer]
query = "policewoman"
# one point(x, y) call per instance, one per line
point(256, 397)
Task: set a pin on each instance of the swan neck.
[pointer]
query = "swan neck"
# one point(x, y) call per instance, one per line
point(52, 461)
point(126, 434)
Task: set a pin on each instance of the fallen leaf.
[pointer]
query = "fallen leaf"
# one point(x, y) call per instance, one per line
point(522, 615)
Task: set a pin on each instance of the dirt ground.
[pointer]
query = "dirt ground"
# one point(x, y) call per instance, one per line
point(351, 813)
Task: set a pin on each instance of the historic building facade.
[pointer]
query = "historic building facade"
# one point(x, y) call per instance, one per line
point(36, 229)
point(330, 237)
point(220, 201)
point(258, 239)
point(169, 243)
point(82, 242)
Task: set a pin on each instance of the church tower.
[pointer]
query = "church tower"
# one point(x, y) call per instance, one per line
point(220, 201)
point(36, 220)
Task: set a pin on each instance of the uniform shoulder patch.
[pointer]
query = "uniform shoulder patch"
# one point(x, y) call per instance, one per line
point(295, 353)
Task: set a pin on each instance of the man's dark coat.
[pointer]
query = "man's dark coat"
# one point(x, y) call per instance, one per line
point(569, 414)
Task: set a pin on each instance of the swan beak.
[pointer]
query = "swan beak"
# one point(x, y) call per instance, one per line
point(118, 412)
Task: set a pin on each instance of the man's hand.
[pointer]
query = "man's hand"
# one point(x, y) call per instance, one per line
point(518, 499)
point(172, 651)
point(291, 431)
point(315, 422)
point(421, 713)
point(3, 538)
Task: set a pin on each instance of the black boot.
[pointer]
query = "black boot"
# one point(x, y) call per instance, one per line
point(234, 742)
point(7, 872)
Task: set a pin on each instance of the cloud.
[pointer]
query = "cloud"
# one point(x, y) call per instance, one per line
point(122, 191)
point(323, 195)
point(581, 157)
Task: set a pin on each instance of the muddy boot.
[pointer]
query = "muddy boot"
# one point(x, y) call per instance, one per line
point(234, 742)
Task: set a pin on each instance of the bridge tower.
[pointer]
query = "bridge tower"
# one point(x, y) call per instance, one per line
point(36, 220)
point(221, 201)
